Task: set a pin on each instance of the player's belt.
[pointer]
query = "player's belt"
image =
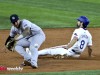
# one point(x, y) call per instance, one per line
point(75, 52)
point(28, 37)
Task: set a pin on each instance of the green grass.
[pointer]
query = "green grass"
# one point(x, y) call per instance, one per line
point(50, 13)
point(85, 72)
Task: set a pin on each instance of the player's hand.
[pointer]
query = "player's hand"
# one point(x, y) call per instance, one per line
point(10, 44)
point(92, 56)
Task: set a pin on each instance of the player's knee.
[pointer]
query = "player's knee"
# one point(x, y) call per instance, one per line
point(35, 46)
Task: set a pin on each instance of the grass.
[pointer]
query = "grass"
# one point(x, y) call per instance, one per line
point(84, 72)
point(50, 13)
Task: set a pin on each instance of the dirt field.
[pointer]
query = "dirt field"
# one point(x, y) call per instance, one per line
point(54, 37)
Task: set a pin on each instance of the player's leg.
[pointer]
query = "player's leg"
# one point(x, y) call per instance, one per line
point(52, 51)
point(47, 51)
point(60, 51)
point(20, 48)
point(35, 43)
point(44, 52)
point(57, 53)
point(71, 53)
point(40, 52)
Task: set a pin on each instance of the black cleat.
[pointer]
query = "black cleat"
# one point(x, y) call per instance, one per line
point(26, 63)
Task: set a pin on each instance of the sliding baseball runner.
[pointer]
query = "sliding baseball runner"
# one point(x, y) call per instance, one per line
point(81, 38)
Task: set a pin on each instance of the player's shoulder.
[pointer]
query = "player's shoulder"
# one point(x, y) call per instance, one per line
point(13, 27)
point(88, 33)
point(77, 30)
point(81, 29)
point(24, 20)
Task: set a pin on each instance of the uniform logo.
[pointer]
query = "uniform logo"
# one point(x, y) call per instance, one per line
point(13, 18)
point(25, 25)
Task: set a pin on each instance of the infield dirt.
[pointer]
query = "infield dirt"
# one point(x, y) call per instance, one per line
point(54, 37)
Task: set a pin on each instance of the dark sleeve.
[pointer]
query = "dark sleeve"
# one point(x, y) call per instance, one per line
point(9, 38)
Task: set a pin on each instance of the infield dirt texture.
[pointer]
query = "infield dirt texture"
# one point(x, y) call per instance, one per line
point(47, 63)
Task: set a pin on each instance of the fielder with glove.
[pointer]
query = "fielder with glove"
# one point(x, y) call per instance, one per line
point(30, 36)
point(10, 42)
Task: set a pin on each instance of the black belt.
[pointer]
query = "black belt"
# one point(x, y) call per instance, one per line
point(75, 52)
point(28, 37)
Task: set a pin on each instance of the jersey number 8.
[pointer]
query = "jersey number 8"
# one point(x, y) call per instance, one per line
point(82, 44)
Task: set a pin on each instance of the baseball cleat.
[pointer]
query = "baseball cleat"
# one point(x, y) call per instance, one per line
point(21, 65)
point(34, 67)
point(58, 56)
point(26, 63)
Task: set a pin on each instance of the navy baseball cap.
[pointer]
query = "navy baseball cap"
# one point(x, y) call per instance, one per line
point(14, 18)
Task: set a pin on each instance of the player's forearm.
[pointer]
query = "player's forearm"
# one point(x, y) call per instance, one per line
point(24, 34)
point(72, 42)
point(19, 37)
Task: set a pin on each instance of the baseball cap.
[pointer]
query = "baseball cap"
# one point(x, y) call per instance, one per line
point(84, 19)
point(14, 18)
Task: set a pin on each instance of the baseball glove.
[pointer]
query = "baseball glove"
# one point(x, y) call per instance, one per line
point(10, 45)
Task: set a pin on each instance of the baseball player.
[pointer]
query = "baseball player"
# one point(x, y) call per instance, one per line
point(81, 38)
point(30, 36)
